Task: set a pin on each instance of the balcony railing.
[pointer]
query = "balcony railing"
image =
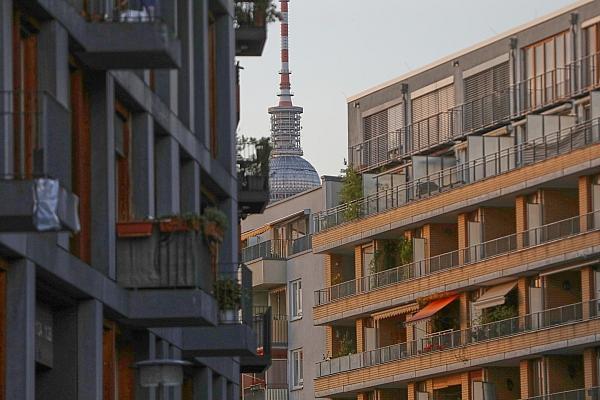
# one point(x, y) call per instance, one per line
point(518, 156)
point(493, 109)
point(129, 12)
point(276, 249)
point(592, 393)
point(503, 245)
point(453, 339)
point(279, 323)
point(233, 291)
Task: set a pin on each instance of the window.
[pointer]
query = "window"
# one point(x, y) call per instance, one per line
point(546, 70)
point(297, 375)
point(296, 299)
point(591, 62)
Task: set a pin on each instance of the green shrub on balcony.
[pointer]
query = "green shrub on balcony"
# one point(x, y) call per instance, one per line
point(350, 192)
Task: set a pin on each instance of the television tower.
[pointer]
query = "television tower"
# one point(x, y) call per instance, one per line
point(289, 173)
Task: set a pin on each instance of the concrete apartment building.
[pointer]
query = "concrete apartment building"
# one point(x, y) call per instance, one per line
point(285, 272)
point(117, 130)
point(469, 268)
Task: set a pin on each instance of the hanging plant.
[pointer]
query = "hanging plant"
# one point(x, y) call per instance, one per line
point(214, 224)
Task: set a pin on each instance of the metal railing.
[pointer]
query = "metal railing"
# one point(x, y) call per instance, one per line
point(592, 393)
point(273, 249)
point(279, 326)
point(493, 109)
point(277, 249)
point(457, 338)
point(518, 156)
point(479, 252)
point(130, 11)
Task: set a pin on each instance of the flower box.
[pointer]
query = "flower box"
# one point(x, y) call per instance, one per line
point(134, 229)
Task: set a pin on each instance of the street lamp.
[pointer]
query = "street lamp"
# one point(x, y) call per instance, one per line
point(163, 372)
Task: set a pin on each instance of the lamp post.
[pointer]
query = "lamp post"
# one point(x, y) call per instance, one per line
point(161, 372)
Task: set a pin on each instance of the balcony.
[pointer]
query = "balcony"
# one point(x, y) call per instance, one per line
point(277, 249)
point(253, 175)
point(132, 36)
point(460, 268)
point(462, 182)
point(34, 196)
point(485, 113)
point(279, 325)
point(164, 266)
point(592, 393)
point(263, 328)
point(250, 28)
point(235, 334)
point(482, 344)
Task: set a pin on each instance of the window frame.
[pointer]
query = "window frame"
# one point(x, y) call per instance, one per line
point(297, 366)
point(295, 299)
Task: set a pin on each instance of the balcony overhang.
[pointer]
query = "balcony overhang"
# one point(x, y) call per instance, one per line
point(253, 194)
point(254, 364)
point(37, 205)
point(227, 340)
point(136, 45)
point(250, 40)
point(171, 308)
point(268, 274)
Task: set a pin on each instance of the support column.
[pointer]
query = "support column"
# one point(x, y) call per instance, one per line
point(585, 201)
point(20, 335)
point(360, 340)
point(590, 368)
point(53, 56)
point(177, 390)
point(524, 378)
point(466, 387)
point(102, 95)
point(233, 391)
point(462, 237)
point(229, 249)
point(185, 88)
point(523, 293)
point(163, 352)
point(521, 219)
point(167, 176)
point(411, 395)
point(358, 262)
point(200, 72)
point(464, 310)
point(6, 86)
point(329, 341)
point(226, 97)
point(219, 388)
point(142, 153)
point(89, 350)
point(203, 384)
point(587, 291)
point(190, 187)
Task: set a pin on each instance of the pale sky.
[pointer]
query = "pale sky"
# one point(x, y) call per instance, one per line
point(339, 48)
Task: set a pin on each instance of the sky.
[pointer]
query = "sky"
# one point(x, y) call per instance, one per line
point(339, 48)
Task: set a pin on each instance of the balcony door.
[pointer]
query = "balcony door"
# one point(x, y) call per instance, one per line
point(25, 95)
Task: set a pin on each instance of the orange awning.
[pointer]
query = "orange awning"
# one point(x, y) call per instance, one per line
point(432, 308)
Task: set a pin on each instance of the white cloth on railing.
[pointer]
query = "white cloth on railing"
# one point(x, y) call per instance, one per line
point(134, 16)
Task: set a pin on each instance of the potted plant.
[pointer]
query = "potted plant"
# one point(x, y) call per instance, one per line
point(228, 293)
point(133, 229)
point(214, 224)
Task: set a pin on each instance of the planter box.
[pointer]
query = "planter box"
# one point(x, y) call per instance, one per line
point(134, 229)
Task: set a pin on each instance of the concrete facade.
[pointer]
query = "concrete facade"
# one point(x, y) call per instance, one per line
point(133, 112)
point(300, 265)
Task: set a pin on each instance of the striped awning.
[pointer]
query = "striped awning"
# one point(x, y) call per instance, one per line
point(494, 296)
point(255, 232)
point(404, 309)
